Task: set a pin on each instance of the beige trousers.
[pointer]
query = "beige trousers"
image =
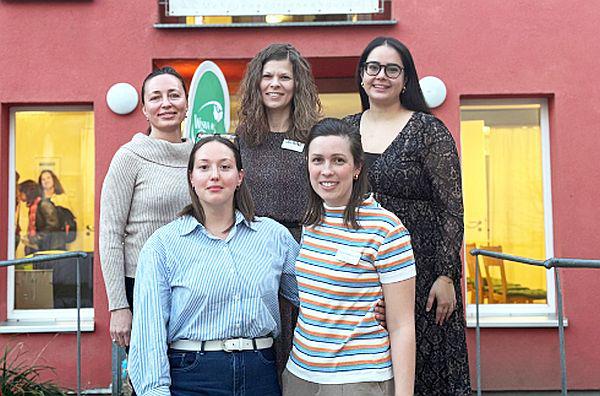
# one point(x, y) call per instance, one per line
point(294, 386)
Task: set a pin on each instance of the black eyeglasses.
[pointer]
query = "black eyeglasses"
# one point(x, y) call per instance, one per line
point(391, 70)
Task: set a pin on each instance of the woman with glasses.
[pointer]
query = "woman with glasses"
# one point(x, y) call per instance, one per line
point(414, 171)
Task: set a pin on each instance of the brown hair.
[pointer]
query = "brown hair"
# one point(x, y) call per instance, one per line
point(58, 188)
point(31, 189)
point(335, 127)
point(306, 106)
point(159, 72)
point(242, 200)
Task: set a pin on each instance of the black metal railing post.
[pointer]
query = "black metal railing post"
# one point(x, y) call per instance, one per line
point(78, 273)
point(117, 356)
point(548, 264)
point(561, 333)
point(477, 328)
point(52, 257)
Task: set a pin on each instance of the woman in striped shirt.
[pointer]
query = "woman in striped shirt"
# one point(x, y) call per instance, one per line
point(353, 253)
point(206, 291)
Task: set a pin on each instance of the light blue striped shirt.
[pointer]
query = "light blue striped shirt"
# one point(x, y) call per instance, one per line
point(192, 285)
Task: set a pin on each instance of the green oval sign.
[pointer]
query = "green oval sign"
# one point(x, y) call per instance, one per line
point(209, 103)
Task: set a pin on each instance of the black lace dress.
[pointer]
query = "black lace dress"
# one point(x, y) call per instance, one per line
point(418, 178)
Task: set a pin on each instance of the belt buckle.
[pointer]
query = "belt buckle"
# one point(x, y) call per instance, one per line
point(233, 345)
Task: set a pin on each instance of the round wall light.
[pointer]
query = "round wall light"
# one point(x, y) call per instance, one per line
point(434, 91)
point(122, 98)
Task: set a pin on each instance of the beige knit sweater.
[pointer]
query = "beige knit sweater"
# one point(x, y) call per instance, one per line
point(144, 189)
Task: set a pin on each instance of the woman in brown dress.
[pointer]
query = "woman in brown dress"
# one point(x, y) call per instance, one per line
point(414, 171)
point(279, 105)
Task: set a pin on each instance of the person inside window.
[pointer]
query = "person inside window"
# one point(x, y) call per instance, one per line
point(52, 189)
point(43, 229)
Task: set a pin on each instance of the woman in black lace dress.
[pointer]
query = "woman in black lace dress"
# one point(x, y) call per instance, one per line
point(414, 170)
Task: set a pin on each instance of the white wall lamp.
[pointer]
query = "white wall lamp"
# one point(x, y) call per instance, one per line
point(122, 98)
point(434, 91)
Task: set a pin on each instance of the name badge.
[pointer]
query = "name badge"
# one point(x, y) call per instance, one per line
point(348, 255)
point(293, 145)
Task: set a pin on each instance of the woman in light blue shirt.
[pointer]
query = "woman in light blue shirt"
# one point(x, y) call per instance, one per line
point(207, 284)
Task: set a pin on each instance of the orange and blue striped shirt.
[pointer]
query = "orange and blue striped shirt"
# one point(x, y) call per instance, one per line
point(340, 271)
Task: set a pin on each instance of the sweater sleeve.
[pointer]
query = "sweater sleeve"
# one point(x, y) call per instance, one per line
point(115, 204)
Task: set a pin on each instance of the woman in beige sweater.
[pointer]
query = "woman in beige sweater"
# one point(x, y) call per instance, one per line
point(144, 189)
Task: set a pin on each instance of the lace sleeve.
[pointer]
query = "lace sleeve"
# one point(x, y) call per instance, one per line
point(442, 165)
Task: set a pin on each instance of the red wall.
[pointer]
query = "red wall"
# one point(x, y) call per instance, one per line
point(72, 51)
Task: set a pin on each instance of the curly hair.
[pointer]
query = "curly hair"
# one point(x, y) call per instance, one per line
point(306, 105)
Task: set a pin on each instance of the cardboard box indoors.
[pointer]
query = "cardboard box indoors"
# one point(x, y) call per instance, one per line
point(33, 289)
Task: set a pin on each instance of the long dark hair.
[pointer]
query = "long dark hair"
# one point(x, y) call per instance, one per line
point(242, 200)
point(306, 106)
point(58, 188)
point(315, 210)
point(31, 189)
point(411, 97)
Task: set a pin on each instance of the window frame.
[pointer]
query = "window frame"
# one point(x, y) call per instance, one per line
point(524, 315)
point(33, 315)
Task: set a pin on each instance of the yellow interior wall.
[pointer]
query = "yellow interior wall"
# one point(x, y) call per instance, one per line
point(516, 212)
point(340, 104)
point(63, 142)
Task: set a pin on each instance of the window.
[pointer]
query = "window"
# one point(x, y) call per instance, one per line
point(506, 184)
point(52, 167)
point(259, 18)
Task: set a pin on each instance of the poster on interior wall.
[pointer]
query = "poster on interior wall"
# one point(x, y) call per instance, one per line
point(269, 7)
point(208, 111)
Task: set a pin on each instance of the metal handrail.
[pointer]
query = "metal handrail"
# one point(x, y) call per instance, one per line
point(52, 257)
point(548, 264)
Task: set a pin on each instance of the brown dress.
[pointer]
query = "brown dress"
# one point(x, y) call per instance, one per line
point(278, 183)
point(418, 178)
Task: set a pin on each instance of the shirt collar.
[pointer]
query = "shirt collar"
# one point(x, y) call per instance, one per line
point(188, 223)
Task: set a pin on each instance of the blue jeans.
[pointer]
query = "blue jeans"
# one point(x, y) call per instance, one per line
point(247, 373)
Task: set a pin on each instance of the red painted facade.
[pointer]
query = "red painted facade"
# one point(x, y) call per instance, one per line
point(71, 52)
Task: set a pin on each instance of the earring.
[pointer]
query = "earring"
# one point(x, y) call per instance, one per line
point(403, 89)
point(362, 84)
point(356, 176)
